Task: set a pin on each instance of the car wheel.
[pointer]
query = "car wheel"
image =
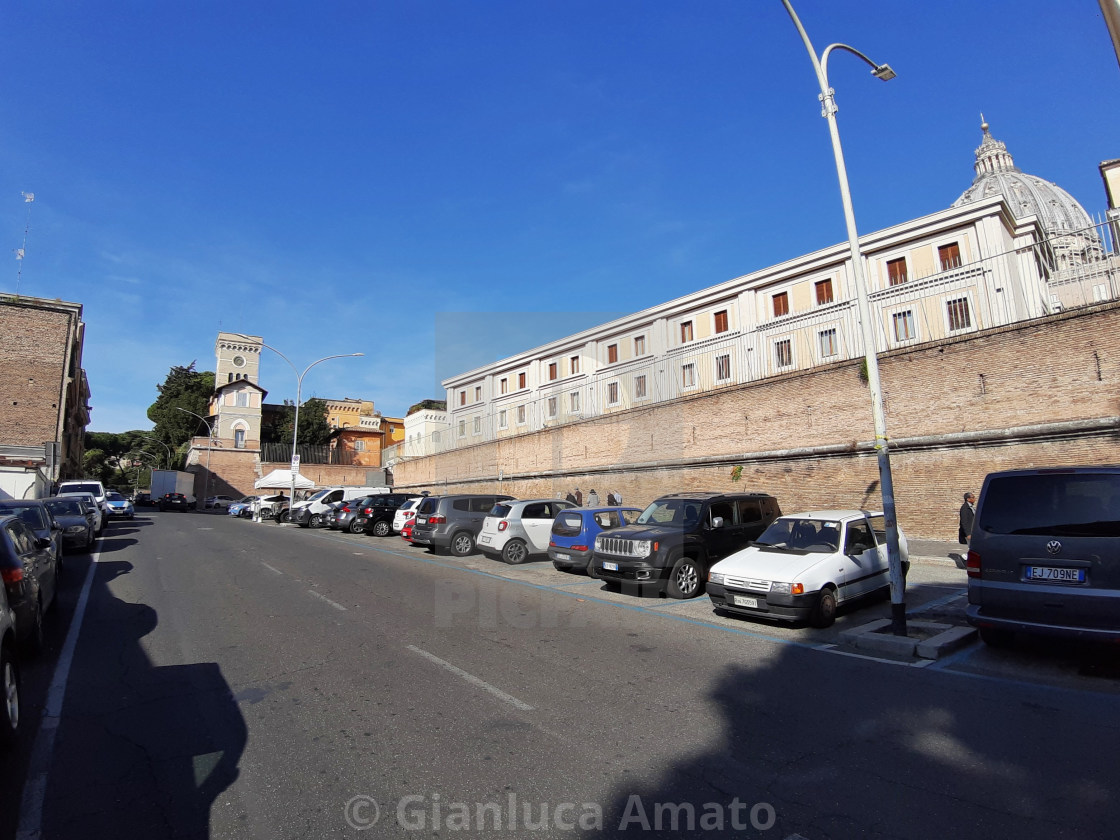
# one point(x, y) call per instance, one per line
point(89, 541)
point(316, 521)
point(824, 613)
point(515, 552)
point(684, 580)
point(591, 573)
point(9, 686)
point(34, 641)
point(462, 544)
point(381, 528)
point(996, 638)
point(284, 516)
point(356, 527)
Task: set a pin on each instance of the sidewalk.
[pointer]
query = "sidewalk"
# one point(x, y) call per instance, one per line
point(937, 551)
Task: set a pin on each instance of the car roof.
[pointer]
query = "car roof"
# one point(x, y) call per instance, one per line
point(704, 496)
point(832, 514)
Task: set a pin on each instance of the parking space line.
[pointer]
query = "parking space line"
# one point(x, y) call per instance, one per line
point(473, 680)
point(270, 568)
point(334, 604)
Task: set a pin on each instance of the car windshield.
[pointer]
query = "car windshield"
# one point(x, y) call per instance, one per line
point(500, 510)
point(64, 507)
point(114, 496)
point(1057, 504)
point(30, 515)
point(81, 488)
point(684, 512)
point(801, 534)
point(314, 497)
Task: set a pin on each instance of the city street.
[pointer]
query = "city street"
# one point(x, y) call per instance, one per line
point(240, 680)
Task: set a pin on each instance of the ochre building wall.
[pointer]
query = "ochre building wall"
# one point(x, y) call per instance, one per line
point(1040, 393)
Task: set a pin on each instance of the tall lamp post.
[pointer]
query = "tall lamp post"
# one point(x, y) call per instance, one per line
point(209, 449)
point(828, 111)
point(299, 391)
point(161, 443)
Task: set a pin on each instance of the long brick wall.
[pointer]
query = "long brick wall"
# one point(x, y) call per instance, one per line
point(33, 347)
point(1037, 393)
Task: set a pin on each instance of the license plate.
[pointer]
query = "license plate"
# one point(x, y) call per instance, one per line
point(611, 567)
point(484, 540)
point(560, 556)
point(419, 540)
point(744, 601)
point(1056, 574)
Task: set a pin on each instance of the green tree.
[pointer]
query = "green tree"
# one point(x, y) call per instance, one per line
point(313, 427)
point(184, 388)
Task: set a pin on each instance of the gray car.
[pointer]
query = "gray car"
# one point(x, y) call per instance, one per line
point(452, 523)
point(1044, 557)
point(9, 675)
point(75, 518)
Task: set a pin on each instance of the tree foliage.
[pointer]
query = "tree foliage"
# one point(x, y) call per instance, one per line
point(111, 458)
point(427, 405)
point(313, 426)
point(188, 389)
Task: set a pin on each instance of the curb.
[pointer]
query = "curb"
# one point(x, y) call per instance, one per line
point(933, 639)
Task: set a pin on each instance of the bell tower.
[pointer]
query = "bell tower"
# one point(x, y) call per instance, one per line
point(238, 357)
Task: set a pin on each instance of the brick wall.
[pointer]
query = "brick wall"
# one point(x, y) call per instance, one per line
point(1038, 393)
point(33, 344)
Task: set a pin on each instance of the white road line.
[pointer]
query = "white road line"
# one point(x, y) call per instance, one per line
point(473, 680)
point(270, 568)
point(337, 606)
point(42, 751)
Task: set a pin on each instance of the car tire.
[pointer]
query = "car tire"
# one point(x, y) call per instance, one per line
point(462, 544)
point(381, 528)
point(315, 521)
point(515, 552)
point(824, 613)
point(35, 640)
point(9, 687)
point(685, 580)
point(284, 516)
point(355, 527)
point(993, 637)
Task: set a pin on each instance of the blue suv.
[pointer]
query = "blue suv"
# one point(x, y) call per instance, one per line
point(574, 530)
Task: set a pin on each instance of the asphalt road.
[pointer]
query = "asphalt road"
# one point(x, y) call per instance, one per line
point(235, 680)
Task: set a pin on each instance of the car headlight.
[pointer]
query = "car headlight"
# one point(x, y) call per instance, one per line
point(716, 577)
point(641, 548)
point(780, 588)
point(598, 543)
point(75, 529)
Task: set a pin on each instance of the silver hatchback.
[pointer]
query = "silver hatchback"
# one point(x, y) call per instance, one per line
point(1044, 557)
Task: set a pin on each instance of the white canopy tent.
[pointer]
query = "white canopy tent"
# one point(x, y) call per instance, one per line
point(282, 480)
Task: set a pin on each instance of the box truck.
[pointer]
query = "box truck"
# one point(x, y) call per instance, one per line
point(173, 481)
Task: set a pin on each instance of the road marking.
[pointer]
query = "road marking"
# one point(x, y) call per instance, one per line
point(42, 751)
point(473, 680)
point(334, 604)
point(270, 568)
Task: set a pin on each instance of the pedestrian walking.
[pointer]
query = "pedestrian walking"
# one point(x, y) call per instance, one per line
point(579, 497)
point(593, 498)
point(611, 500)
point(968, 519)
point(571, 497)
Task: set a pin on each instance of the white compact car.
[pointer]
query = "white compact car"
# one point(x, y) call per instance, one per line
point(805, 565)
point(516, 530)
point(405, 514)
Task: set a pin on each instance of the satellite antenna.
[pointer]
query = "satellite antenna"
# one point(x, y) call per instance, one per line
point(28, 198)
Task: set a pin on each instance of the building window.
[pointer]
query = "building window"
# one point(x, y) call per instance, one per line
point(435, 437)
point(959, 317)
point(721, 321)
point(640, 387)
point(462, 398)
point(723, 367)
point(552, 406)
point(896, 271)
point(573, 365)
point(781, 304)
point(359, 446)
point(949, 256)
point(903, 325)
point(242, 399)
point(477, 425)
point(478, 393)
point(686, 332)
point(612, 393)
point(573, 401)
point(827, 339)
point(612, 354)
point(640, 345)
point(783, 352)
point(552, 371)
point(520, 380)
point(239, 438)
point(503, 385)
point(521, 415)
point(688, 375)
point(462, 428)
point(824, 291)
point(502, 422)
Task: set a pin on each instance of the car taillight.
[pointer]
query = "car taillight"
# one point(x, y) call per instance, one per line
point(437, 520)
point(11, 576)
point(344, 510)
point(579, 548)
point(973, 565)
point(367, 510)
point(503, 525)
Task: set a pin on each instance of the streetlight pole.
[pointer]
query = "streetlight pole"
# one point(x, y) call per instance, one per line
point(827, 98)
point(161, 443)
point(209, 449)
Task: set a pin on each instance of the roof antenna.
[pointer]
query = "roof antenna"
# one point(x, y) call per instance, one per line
point(28, 198)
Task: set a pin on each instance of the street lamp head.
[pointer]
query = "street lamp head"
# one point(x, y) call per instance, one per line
point(883, 72)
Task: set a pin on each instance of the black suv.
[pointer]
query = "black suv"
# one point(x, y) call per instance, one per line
point(671, 546)
point(374, 514)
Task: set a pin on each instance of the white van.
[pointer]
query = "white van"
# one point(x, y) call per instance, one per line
point(84, 485)
point(309, 512)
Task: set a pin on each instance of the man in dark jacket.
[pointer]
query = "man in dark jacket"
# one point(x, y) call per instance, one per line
point(968, 519)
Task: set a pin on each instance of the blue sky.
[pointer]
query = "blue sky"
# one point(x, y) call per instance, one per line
point(441, 184)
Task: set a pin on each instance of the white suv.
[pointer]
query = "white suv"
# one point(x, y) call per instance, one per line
point(516, 530)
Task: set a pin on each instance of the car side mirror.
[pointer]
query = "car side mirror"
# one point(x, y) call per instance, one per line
point(717, 522)
point(43, 542)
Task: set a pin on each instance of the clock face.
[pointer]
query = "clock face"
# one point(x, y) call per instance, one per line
point(239, 361)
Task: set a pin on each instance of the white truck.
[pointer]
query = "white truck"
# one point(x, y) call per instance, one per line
point(309, 512)
point(172, 481)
